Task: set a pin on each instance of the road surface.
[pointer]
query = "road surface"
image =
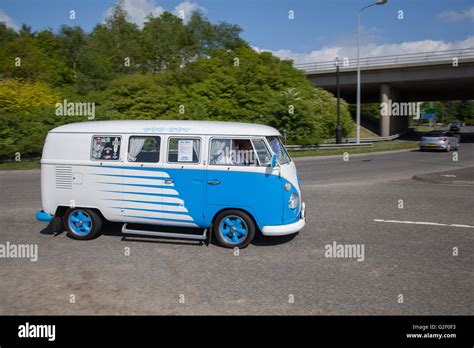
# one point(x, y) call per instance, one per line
point(408, 266)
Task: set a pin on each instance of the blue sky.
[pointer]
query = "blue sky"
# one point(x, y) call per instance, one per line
point(319, 30)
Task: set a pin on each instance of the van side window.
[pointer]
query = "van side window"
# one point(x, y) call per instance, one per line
point(263, 154)
point(184, 150)
point(106, 148)
point(144, 149)
point(278, 149)
point(237, 152)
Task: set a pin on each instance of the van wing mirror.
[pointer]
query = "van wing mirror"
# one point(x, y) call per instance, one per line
point(274, 161)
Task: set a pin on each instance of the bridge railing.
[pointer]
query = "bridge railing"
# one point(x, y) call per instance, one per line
point(402, 59)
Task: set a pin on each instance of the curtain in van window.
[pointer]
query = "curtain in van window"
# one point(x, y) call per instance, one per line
point(219, 155)
point(136, 145)
point(196, 150)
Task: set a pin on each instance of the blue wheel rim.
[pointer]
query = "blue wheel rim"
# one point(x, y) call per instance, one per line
point(233, 229)
point(80, 222)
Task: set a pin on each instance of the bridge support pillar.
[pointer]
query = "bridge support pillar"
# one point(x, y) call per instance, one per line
point(385, 99)
point(394, 119)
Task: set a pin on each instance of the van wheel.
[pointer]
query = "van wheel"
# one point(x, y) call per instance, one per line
point(82, 223)
point(234, 228)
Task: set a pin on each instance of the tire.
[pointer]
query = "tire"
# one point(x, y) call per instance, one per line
point(234, 228)
point(82, 223)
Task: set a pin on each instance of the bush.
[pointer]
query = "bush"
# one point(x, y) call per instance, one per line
point(260, 88)
point(16, 95)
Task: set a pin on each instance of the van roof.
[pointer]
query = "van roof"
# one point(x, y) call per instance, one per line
point(167, 126)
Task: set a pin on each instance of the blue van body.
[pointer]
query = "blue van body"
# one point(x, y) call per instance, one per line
point(261, 197)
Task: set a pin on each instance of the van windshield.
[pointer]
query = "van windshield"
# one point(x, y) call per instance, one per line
point(279, 150)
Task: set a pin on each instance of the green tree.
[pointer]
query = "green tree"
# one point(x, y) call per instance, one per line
point(209, 37)
point(71, 40)
point(35, 57)
point(260, 88)
point(167, 43)
point(7, 34)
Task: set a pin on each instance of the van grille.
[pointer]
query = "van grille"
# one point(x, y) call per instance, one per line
point(63, 177)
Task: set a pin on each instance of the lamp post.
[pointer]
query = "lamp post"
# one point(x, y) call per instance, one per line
point(338, 93)
point(378, 2)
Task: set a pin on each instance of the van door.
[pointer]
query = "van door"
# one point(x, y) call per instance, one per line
point(184, 190)
point(239, 176)
point(143, 180)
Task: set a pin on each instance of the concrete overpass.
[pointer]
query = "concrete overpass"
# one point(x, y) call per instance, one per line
point(427, 76)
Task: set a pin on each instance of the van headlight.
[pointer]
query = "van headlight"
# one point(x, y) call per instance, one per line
point(293, 201)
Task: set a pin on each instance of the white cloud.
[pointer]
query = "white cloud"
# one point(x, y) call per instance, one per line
point(457, 16)
point(7, 20)
point(185, 9)
point(138, 10)
point(371, 50)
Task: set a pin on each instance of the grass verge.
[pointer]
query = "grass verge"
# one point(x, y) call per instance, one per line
point(379, 146)
point(364, 133)
point(20, 165)
point(425, 128)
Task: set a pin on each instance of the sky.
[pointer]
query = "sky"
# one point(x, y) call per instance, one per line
point(302, 30)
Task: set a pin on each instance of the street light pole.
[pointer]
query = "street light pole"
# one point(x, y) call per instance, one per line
point(378, 2)
point(338, 127)
point(358, 79)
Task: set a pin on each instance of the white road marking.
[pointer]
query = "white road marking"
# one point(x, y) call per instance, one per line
point(423, 223)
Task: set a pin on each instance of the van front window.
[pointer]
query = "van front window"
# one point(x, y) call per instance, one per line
point(279, 150)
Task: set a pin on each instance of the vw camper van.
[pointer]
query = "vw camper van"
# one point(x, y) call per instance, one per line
point(227, 179)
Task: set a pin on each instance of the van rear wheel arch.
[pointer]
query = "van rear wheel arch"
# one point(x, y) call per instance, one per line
point(62, 209)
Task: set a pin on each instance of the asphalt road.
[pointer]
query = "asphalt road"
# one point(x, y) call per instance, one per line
point(348, 202)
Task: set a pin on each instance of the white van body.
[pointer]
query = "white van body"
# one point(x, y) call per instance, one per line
point(182, 179)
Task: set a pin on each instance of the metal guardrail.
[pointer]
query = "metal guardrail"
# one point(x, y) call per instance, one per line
point(326, 146)
point(346, 143)
point(402, 59)
point(364, 140)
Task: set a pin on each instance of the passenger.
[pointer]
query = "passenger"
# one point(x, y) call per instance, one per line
point(243, 150)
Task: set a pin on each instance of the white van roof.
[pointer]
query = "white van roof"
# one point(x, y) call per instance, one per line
point(167, 126)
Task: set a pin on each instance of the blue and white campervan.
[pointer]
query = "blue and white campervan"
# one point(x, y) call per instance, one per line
point(225, 178)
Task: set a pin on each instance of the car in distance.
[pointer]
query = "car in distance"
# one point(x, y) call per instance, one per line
point(439, 140)
point(455, 126)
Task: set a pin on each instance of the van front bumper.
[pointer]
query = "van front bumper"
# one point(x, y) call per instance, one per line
point(281, 230)
point(43, 216)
